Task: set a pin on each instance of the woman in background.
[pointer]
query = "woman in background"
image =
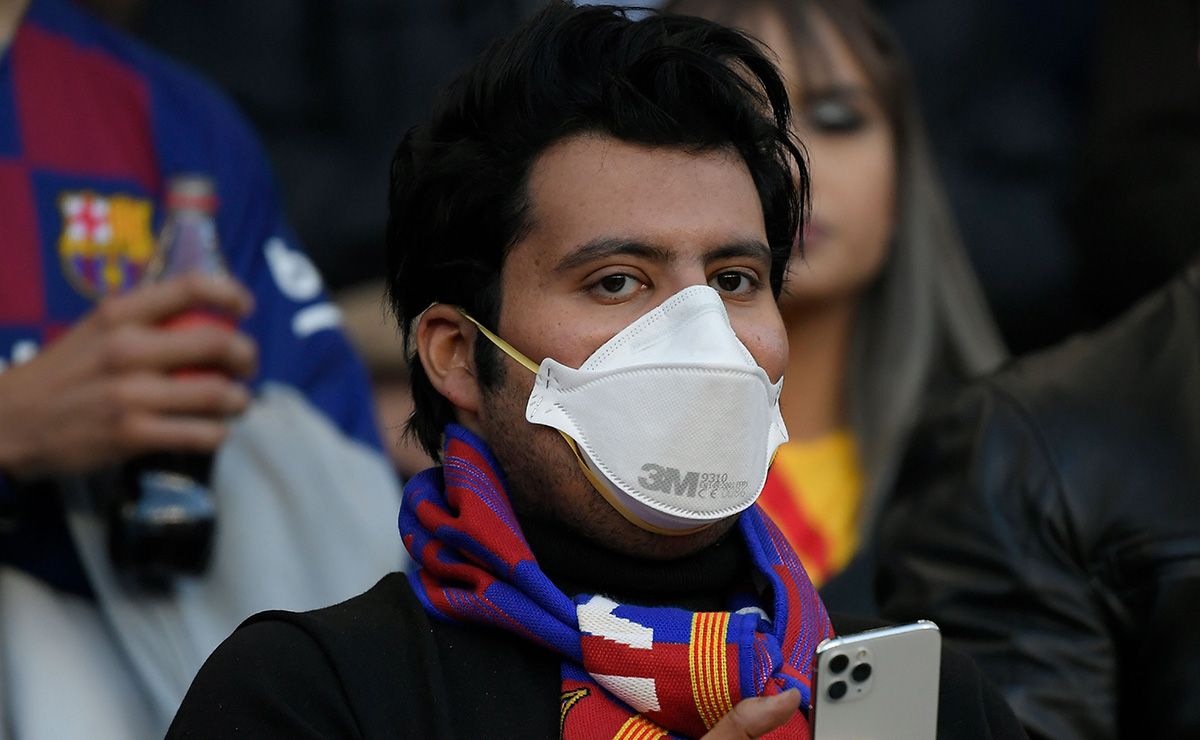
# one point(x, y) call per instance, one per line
point(880, 302)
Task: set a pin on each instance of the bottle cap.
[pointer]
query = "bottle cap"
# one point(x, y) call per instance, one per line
point(191, 193)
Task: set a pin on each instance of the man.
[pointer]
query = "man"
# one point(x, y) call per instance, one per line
point(92, 128)
point(585, 247)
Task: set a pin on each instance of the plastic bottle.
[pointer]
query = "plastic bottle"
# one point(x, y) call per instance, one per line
point(163, 517)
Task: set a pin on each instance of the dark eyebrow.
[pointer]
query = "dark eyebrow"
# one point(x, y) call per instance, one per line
point(748, 248)
point(609, 247)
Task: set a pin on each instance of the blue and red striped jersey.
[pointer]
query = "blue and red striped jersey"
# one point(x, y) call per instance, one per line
point(92, 126)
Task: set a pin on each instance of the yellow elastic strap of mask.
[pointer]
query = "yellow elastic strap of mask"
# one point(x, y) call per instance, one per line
point(598, 484)
point(504, 346)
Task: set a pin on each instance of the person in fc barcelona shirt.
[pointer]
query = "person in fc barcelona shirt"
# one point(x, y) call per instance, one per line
point(585, 247)
point(92, 127)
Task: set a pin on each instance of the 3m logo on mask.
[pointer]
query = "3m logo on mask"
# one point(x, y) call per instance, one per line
point(690, 484)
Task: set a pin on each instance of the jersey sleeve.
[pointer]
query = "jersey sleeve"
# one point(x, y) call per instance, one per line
point(297, 328)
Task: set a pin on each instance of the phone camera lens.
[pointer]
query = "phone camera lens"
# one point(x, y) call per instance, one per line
point(837, 690)
point(861, 672)
point(838, 663)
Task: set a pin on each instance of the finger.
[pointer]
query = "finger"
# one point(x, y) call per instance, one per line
point(201, 395)
point(135, 348)
point(146, 432)
point(754, 717)
point(153, 303)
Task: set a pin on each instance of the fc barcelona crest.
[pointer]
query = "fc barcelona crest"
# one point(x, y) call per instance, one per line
point(106, 243)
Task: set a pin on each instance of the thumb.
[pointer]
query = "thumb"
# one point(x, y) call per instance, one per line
point(756, 716)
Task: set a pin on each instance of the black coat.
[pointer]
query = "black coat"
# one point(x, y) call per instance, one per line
point(377, 667)
point(1049, 521)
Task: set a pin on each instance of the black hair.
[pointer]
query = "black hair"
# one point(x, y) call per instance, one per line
point(458, 196)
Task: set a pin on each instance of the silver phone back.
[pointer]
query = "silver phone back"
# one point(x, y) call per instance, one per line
point(897, 700)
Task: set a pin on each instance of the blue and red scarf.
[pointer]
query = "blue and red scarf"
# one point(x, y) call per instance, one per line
point(628, 671)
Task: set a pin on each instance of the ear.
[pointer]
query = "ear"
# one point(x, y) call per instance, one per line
point(445, 345)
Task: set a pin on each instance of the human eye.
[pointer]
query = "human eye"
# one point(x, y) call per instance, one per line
point(735, 282)
point(834, 114)
point(616, 287)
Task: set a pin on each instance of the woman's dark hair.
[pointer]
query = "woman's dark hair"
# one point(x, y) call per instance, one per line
point(459, 197)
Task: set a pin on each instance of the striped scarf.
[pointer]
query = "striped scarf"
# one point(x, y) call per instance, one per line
point(627, 671)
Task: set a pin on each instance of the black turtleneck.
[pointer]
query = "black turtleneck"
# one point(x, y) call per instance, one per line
point(702, 581)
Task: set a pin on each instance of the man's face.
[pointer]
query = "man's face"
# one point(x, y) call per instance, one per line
point(617, 229)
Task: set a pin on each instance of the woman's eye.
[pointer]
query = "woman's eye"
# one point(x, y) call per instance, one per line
point(737, 283)
point(834, 115)
point(617, 286)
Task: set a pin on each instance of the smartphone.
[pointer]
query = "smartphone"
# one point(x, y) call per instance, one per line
point(882, 683)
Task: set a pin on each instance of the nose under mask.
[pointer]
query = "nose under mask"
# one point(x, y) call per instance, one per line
point(672, 420)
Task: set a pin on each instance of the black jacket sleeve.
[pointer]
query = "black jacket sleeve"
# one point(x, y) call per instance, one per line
point(981, 540)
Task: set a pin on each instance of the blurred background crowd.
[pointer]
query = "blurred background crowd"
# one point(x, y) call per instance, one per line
point(1062, 132)
point(1023, 101)
point(1040, 174)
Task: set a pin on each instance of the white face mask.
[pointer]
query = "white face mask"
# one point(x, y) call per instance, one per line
point(673, 421)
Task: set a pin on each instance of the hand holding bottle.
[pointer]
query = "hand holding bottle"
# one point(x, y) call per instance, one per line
point(162, 510)
point(105, 392)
